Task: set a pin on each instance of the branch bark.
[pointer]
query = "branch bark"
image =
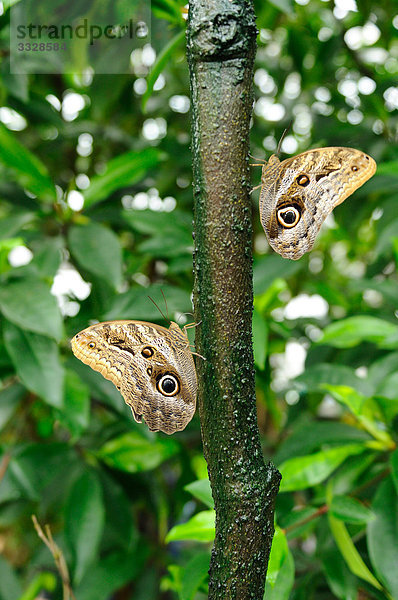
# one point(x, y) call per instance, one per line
point(221, 40)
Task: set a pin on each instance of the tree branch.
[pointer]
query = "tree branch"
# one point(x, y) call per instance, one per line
point(221, 47)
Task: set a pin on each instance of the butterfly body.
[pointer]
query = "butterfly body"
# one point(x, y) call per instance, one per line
point(298, 194)
point(151, 366)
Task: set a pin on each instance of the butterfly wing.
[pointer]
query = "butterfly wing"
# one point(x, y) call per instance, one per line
point(151, 366)
point(311, 184)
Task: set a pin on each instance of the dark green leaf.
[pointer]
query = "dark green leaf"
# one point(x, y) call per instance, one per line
point(315, 376)
point(97, 249)
point(260, 339)
point(394, 468)
point(30, 172)
point(48, 257)
point(10, 397)
point(383, 535)
point(111, 573)
point(76, 409)
point(126, 169)
point(350, 510)
point(11, 225)
point(194, 574)
point(10, 586)
point(342, 582)
point(36, 466)
point(307, 437)
point(40, 314)
point(271, 266)
point(36, 361)
point(84, 521)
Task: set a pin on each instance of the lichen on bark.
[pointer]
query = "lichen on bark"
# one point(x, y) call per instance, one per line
point(221, 38)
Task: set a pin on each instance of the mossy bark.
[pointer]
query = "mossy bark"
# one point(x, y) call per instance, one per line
point(221, 41)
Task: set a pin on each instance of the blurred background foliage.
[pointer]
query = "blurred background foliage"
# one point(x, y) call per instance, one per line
point(96, 214)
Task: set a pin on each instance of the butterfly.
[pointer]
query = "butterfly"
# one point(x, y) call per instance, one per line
point(298, 194)
point(150, 365)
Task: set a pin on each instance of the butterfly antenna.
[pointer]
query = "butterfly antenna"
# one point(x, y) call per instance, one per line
point(163, 315)
point(262, 161)
point(283, 137)
point(167, 310)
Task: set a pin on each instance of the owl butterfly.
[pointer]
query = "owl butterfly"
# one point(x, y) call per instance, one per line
point(298, 194)
point(150, 365)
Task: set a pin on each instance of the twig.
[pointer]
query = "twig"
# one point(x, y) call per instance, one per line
point(321, 511)
point(58, 556)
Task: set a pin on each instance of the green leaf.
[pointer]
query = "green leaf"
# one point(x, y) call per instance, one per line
point(383, 535)
point(365, 409)
point(36, 361)
point(97, 249)
point(30, 171)
point(133, 453)
point(151, 222)
point(394, 468)
point(167, 9)
point(111, 573)
point(381, 369)
point(171, 233)
point(342, 582)
point(350, 510)
point(10, 397)
point(167, 53)
point(41, 583)
point(354, 330)
point(315, 376)
point(8, 3)
point(350, 553)
point(305, 471)
point(270, 267)
point(201, 528)
point(36, 466)
point(84, 521)
point(39, 314)
point(307, 437)
point(126, 169)
point(76, 409)
point(11, 225)
point(10, 587)
point(260, 339)
point(48, 256)
point(280, 573)
point(201, 490)
point(279, 551)
point(194, 574)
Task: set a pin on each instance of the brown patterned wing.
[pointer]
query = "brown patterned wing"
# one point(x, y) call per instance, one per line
point(299, 193)
point(150, 365)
